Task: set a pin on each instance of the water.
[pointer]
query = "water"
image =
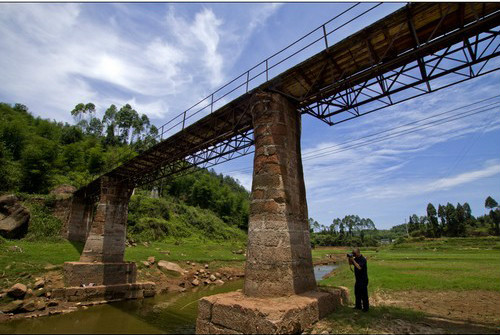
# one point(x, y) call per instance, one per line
point(171, 313)
point(322, 270)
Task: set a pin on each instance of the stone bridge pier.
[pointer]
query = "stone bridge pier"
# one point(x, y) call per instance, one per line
point(280, 293)
point(101, 273)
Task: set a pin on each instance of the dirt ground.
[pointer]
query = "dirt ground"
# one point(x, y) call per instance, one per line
point(467, 306)
point(452, 312)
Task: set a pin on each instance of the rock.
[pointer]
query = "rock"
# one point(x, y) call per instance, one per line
point(63, 191)
point(212, 278)
point(52, 303)
point(15, 248)
point(17, 291)
point(151, 260)
point(39, 283)
point(238, 252)
point(40, 292)
point(165, 252)
point(28, 306)
point(146, 264)
point(206, 266)
point(206, 282)
point(146, 244)
point(16, 217)
point(218, 275)
point(164, 265)
point(188, 262)
point(183, 289)
point(201, 271)
point(195, 282)
point(12, 307)
point(29, 294)
point(218, 282)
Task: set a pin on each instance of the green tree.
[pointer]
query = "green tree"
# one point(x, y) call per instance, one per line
point(433, 229)
point(494, 214)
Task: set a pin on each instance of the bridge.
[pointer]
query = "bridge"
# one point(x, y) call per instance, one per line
point(418, 49)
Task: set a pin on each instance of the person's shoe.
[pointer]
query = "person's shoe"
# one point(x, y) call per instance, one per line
point(365, 310)
point(357, 308)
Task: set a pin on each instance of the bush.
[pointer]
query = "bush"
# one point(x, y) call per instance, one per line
point(43, 225)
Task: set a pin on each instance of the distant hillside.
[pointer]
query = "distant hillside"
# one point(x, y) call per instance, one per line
point(36, 155)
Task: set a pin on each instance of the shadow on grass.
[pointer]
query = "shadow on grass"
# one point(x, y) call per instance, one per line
point(389, 319)
point(78, 246)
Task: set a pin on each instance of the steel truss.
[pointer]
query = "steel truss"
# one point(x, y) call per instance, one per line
point(424, 73)
point(238, 146)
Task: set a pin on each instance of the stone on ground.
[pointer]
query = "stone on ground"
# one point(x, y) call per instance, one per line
point(15, 217)
point(17, 291)
point(164, 265)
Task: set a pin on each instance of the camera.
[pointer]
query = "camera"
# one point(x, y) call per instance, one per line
point(350, 255)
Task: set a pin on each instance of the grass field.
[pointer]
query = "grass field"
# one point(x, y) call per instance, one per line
point(442, 264)
point(437, 286)
point(24, 260)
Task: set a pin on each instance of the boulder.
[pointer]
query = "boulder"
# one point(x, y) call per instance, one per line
point(15, 217)
point(12, 307)
point(218, 282)
point(164, 265)
point(212, 278)
point(17, 291)
point(195, 282)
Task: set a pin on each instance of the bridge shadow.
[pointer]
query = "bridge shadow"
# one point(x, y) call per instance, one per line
point(78, 246)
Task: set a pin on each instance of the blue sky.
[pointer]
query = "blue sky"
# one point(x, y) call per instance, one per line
point(162, 58)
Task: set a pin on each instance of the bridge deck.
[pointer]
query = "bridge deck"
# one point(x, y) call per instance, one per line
point(409, 34)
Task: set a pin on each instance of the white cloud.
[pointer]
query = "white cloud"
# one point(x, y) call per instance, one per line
point(57, 55)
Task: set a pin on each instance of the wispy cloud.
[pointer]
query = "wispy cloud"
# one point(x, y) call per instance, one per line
point(57, 55)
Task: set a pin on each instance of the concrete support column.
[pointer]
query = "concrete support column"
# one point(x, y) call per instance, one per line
point(78, 224)
point(106, 239)
point(279, 261)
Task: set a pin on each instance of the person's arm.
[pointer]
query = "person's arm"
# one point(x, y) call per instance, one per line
point(356, 264)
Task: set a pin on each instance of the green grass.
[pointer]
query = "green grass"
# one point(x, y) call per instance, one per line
point(30, 258)
point(441, 264)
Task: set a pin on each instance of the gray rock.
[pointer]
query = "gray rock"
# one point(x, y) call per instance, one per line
point(29, 306)
point(164, 265)
point(16, 217)
point(17, 291)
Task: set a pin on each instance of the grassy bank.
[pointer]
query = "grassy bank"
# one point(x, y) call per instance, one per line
point(24, 260)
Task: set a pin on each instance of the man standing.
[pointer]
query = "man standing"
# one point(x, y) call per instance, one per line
point(361, 274)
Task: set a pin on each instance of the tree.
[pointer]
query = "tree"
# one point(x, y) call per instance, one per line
point(125, 120)
point(494, 214)
point(95, 127)
point(81, 110)
point(433, 229)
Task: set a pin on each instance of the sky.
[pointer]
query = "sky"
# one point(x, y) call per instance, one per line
point(163, 58)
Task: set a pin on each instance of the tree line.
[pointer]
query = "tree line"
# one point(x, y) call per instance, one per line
point(350, 230)
point(451, 221)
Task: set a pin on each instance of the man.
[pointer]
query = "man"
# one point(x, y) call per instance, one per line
point(361, 285)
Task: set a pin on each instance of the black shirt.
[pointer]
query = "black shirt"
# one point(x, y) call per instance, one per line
point(361, 275)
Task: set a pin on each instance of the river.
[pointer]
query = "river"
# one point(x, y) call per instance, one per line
point(171, 313)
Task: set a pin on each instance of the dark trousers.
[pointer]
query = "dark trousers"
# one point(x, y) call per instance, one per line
point(361, 293)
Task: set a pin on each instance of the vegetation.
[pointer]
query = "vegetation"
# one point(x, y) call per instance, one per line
point(37, 155)
point(453, 221)
point(351, 230)
point(429, 264)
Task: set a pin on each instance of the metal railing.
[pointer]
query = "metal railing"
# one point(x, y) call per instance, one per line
point(249, 79)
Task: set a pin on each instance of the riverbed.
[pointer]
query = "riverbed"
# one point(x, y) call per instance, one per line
point(171, 313)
